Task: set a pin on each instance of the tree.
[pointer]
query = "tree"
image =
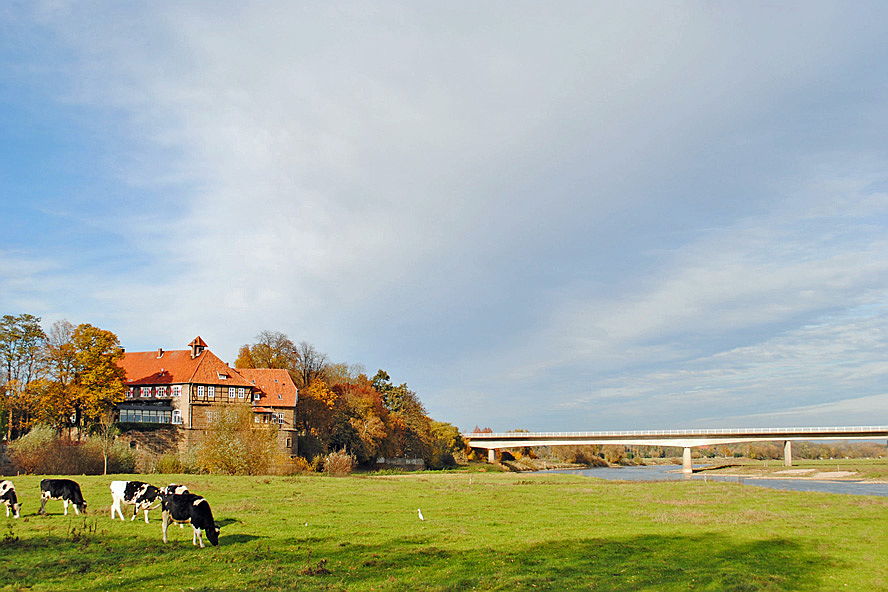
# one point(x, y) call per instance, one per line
point(272, 349)
point(309, 364)
point(244, 358)
point(55, 395)
point(21, 344)
point(99, 380)
point(106, 431)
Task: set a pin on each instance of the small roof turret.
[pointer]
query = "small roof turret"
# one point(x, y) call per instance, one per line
point(197, 346)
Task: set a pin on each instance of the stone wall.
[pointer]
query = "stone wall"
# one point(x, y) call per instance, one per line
point(163, 440)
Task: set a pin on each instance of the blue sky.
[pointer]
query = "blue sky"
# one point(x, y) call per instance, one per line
point(555, 217)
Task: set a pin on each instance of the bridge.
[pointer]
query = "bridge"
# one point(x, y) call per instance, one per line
point(686, 439)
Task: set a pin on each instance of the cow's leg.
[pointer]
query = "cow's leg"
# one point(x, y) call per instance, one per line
point(7, 510)
point(42, 505)
point(76, 508)
point(146, 516)
point(199, 536)
point(115, 508)
point(65, 503)
point(164, 522)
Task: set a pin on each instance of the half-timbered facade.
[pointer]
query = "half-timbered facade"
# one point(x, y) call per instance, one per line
point(190, 388)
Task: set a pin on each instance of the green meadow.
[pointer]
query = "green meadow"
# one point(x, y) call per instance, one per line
point(482, 531)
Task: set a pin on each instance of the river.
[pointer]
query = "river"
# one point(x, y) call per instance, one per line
point(673, 473)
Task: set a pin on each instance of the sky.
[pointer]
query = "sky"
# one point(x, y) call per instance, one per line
point(549, 216)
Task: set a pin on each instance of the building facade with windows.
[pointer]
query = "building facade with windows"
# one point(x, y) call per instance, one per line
point(274, 402)
point(189, 389)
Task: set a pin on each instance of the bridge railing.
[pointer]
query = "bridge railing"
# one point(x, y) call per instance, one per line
point(691, 432)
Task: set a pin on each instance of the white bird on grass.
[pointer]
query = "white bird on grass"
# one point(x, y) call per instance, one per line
point(418, 511)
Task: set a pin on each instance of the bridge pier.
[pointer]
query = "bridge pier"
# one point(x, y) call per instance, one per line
point(687, 466)
point(491, 455)
point(787, 453)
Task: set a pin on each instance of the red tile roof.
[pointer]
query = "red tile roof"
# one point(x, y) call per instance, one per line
point(275, 385)
point(178, 367)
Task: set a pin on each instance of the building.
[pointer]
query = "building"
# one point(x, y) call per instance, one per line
point(274, 401)
point(190, 388)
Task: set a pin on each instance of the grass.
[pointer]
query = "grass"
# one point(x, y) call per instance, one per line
point(484, 531)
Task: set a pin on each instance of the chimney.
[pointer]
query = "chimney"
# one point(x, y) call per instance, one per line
point(159, 352)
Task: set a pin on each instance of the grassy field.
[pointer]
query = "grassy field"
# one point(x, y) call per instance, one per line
point(484, 531)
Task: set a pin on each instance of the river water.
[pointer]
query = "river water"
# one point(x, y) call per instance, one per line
point(673, 473)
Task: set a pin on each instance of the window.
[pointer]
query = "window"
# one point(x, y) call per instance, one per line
point(177, 390)
point(200, 392)
point(280, 396)
point(177, 417)
point(257, 396)
point(277, 418)
point(146, 391)
point(131, 392)
point(147, 416)
point(161, 391)
point(211, 417)
point(256, 418)
point(211, 392)
point(289, 442)
point(232, 392)
point(241, 392)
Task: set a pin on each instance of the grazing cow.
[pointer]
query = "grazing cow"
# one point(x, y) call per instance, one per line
point(137, 494)
point(7, 496)
point(62, 489)
point(174, 488)
point(188, 508)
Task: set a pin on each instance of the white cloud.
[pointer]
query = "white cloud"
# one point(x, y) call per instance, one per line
point(368, 175)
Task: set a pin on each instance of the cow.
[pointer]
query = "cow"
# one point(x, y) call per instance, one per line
point(7, 496)
point(139, 495)
point(174, 488)
point(61, 489)
point(188, 508)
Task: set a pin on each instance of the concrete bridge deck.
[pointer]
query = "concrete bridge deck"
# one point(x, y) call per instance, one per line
point(686, 439)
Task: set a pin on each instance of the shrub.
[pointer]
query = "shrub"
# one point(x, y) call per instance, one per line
point(236, 446)
point(169, 463)
point(301, 466)
point(339, 464)
point(43, 451)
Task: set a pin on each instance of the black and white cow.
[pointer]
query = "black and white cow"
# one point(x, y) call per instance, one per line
point(7, 496)
point(188, 508)
point(139, 495)
point(174, 488)
point(62, 489)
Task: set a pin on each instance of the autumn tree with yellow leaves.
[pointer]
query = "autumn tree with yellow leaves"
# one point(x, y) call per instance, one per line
point(68, 377)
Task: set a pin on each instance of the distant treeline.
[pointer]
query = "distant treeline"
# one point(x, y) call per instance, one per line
point(616, 454)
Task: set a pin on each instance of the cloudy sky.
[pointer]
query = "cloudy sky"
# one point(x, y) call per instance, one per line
point(553, 216)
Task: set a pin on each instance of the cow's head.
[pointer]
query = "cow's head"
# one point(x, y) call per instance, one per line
point(16, 508)
point(213, 534)
point(81, 506)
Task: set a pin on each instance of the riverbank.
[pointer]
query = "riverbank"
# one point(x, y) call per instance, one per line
point(865, 470)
